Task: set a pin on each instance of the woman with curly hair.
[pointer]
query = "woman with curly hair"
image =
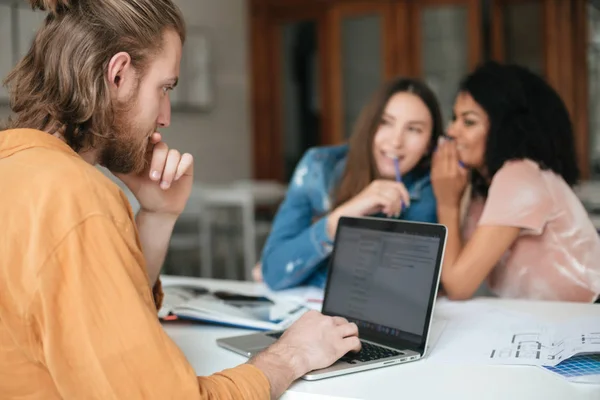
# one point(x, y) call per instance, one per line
point(526, 232)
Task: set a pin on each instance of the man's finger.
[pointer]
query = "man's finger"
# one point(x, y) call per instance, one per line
point(347, 330)
point(351, 343)
point(339, 320)
point(170, 170)
point(185, 166)
point(159, 157)
point(155, 138)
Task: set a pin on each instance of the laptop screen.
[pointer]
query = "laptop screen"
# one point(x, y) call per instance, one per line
point(384, 276)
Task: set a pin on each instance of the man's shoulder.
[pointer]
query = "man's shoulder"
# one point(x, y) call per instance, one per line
point(46, 195)
point(55, 180)
point(77, 174)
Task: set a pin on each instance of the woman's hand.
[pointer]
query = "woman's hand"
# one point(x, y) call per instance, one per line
point(448, 177)
point(386, 196)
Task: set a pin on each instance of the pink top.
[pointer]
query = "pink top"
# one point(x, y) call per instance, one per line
point(558, 251)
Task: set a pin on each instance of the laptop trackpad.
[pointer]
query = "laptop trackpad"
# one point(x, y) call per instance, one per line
point(252, 343)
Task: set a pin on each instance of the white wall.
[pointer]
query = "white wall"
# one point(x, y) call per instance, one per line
point(4, 112)
point(219, 140)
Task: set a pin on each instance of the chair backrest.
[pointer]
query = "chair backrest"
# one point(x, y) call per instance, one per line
point(264, 192)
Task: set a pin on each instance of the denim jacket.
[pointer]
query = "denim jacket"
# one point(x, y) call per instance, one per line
point(298, 247)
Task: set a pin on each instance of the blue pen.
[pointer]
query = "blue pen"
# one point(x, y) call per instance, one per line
point(398, 174)
point(397, 166)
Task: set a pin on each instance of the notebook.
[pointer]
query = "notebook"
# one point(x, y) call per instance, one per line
point(228, 308)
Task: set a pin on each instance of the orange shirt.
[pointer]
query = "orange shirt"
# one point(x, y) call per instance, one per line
point(77, 314)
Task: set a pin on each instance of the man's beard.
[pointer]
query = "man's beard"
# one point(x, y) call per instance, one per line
point(126, 152)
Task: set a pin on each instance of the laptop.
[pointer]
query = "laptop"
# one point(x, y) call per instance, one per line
point(384, 276)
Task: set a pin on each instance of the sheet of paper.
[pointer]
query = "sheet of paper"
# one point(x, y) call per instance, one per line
point(548, 345)
point(176, 295)
point(479, 333)
point(526, 345)
point(473, 331)
point(309, 296)
point(576, 336)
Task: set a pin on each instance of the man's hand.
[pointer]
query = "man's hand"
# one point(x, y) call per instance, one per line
point(162, 189)
point(319, 340)
point(314, 341)
point(165, 185)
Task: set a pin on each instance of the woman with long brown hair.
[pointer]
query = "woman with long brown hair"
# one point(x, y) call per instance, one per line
point(383, 171)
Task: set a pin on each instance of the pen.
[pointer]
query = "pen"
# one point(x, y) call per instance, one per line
point(397, 166)
point(398, 175)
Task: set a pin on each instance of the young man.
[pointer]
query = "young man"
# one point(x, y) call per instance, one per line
point(77, 309)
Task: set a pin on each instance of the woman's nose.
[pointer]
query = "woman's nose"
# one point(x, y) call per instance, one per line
point(398, 139)
point(451, 130)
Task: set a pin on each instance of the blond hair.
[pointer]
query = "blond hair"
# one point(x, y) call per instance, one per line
point(61, 83)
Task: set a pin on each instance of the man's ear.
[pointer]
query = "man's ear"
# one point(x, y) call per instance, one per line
point(119, 70)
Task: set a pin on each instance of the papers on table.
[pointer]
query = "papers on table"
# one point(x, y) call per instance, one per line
point(485, 334)
point(229, 308)
point(309, 296)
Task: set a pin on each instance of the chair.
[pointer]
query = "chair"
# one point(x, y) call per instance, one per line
point(245, 195)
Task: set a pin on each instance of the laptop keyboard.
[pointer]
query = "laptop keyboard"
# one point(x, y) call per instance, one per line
point(275, 335)
point(368, 352)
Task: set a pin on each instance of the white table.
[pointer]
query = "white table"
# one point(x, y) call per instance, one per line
point(424, 379)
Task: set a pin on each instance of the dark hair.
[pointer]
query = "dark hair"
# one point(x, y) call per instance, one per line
point(528, 120)
point(360, 166)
